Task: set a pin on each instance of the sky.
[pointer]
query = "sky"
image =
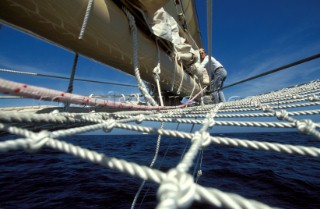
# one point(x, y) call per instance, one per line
point(249, 37)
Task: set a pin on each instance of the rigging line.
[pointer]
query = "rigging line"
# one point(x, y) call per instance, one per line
point(316, 56)
point(156, 72)
point(166, 152)
point(175, 70)
point(151, 166)
point(134, 36)
point(209, 32)
point(196, 164)
point(65, 78)
point(187, 143)
point(200, 167)
point(86, 19)
point(159, 166)
point(73, 72)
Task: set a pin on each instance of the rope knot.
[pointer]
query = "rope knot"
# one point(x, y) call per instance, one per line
point(54, 112)
point(204, 136)
point(140, 119)
point(157, 69)
point(176, 191)
point(266, 108)
point(305, 126)
point(209, 121)
point(206, 139)
point(38, 141)
point(282, 114)
point(313, 98)
point(156, 72)
point(197, 136)
point(255, 104)
point(109, 124)
point(177, 55)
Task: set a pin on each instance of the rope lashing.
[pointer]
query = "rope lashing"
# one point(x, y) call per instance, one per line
point(314, 98)
point(176, 191)
point(307, 127)
point(109, 124)
point(39, 141)
point(86, 18)
point(156, 72)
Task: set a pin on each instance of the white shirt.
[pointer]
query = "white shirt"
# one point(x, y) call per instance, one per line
point(214, 64)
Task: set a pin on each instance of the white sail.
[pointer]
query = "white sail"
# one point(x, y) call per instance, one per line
point(107, 37)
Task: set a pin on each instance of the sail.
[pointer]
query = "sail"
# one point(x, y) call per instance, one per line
point(107, 38)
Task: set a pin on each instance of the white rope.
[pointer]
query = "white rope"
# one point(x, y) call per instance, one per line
point(151, 166)
point(86, 19)
point(304, 126)
point(175, 70)
point(198, 166)
point(194, 87)
point(182, 77)
point(197, 138)
point(141, 85)
point(199, 173)
point(156, 74)
point(177, 187)
point(194, 114)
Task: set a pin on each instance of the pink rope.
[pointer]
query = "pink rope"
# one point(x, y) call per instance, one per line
point(35, 92)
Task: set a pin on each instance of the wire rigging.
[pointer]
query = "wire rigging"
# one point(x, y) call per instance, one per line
point(307, 59)
point(65, 78)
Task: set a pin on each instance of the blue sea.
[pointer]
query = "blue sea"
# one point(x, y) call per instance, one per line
point(51, 179)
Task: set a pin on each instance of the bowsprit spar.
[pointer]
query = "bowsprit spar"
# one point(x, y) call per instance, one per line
point(84, 27)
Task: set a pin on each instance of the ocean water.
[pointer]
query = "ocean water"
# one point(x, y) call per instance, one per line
point(51, 179)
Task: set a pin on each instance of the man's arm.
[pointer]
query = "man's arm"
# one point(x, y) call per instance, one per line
point(204, 63)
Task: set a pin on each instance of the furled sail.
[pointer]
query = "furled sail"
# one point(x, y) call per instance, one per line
point(107, 37)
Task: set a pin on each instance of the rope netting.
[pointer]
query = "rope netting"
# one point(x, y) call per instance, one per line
point(177, 187)
point(31, 129)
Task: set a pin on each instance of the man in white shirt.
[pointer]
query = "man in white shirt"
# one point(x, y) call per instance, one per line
point(217, 76)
